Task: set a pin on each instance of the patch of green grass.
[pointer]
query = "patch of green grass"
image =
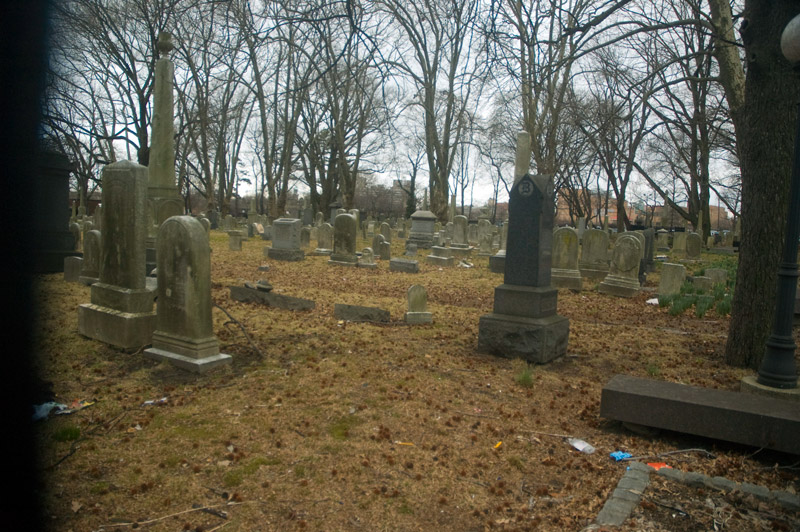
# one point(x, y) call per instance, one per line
point(99, 488)
point(723, 307)
point(340, 429)
point(68, 433)
point(681, 303)
point(664, 300)
point(525, 377)
point(300, 471)
point(253, 465)
point(516, 462)
point(405, 509)
point(233, 478)
point(703, 304)
point(653, 369)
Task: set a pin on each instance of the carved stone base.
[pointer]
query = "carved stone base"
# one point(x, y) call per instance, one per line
point(537, 340)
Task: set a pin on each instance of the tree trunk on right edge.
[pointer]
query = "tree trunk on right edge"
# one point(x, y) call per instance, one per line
point(765, 144)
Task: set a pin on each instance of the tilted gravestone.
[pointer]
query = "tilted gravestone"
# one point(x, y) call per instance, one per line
point(565, 273)
point(524, 323)
point(344, 240)
point(623, 277)
point(286, 240)
point(418, 306)
point(440, 256)
point(184, 334)
point(121, 309)
point(594, 255)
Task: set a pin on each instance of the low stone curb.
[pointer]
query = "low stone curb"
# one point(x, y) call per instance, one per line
point(627, 495)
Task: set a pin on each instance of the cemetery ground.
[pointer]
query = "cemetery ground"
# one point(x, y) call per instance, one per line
point(321, 424)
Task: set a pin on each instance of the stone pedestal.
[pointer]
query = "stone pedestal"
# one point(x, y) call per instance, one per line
point(121, 309)
point(52, 239)
point(537, 340)
point(440, 256)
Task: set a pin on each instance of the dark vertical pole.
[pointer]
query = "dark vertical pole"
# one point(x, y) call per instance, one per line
point(778, 368)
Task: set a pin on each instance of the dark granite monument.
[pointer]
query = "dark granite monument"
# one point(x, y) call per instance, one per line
point(524, 323)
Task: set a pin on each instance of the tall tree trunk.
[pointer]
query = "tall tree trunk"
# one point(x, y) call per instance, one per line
point(765, 143)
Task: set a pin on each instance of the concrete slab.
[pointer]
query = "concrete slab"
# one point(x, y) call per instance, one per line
point(730, 416)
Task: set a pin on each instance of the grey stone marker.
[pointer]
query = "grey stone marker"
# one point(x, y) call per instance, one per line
point(305, 237)
point(75, 230)
point(286, 240)
point(717, 275)
point(694, 246)
point(440, 256)
point(72, 269)
point(377, 240)
point(184, 334)
point(702, 283)
point(594, 255)
point(623, 278)
point(386, 231)
point(679, 244)
point(359, 313)
point(485, 249)
point(497, 262)
point(324, 239)
point(344, 240)
point(565, 273)
point(423, 224)
point(385, 250)
point(662, 240)
point(418, 306)
point(524, 323)
point(367, 259)
point(403, 265)
point(235, 240)
point(90, 269)
point(649, 249)
point(121, 309)
point(411, 249)
point(460, 243)
point(672, 278)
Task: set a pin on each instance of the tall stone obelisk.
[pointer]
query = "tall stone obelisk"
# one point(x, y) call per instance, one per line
point(163, 199)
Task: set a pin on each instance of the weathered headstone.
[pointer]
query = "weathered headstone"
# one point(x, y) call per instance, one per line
point(672, 278)
point(52, 239)
point(422, 228)
point(90, 268)
point(565, 273)
point(623, 277)
point(440, 256)
point(679, 243)
point(524, 323)
point(72, 268)
point(121, 309)
point(485, 248)
point(662, 240)
point(694, 246)
point(497, 262)
point(184, 334)
point(594, 255)
point(344, 241)
point(403, 265)
point(460, 243)
point(702, 284)
point(305, 237)
point(367, 259)
point(235, 240)
point(386, 231)
point(717, 275)
point(649, 249)
point(286, 240)
point(411, 249)
point(385, 250)
point(418, 306)
point(324, 239)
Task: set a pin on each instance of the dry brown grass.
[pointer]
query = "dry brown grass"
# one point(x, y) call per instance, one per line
point(352, 426)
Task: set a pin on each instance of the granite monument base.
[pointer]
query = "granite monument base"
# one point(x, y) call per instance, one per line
point(619, 286)
point(537, 340)
point(126, 330)
point(571, 279)
point(197, 355)
point(289, 255)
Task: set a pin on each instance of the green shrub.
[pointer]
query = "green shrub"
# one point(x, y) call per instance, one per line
point(681, 303)
point(664, 300)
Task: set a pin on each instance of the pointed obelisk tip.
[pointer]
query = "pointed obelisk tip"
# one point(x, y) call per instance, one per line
point(522, 163)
